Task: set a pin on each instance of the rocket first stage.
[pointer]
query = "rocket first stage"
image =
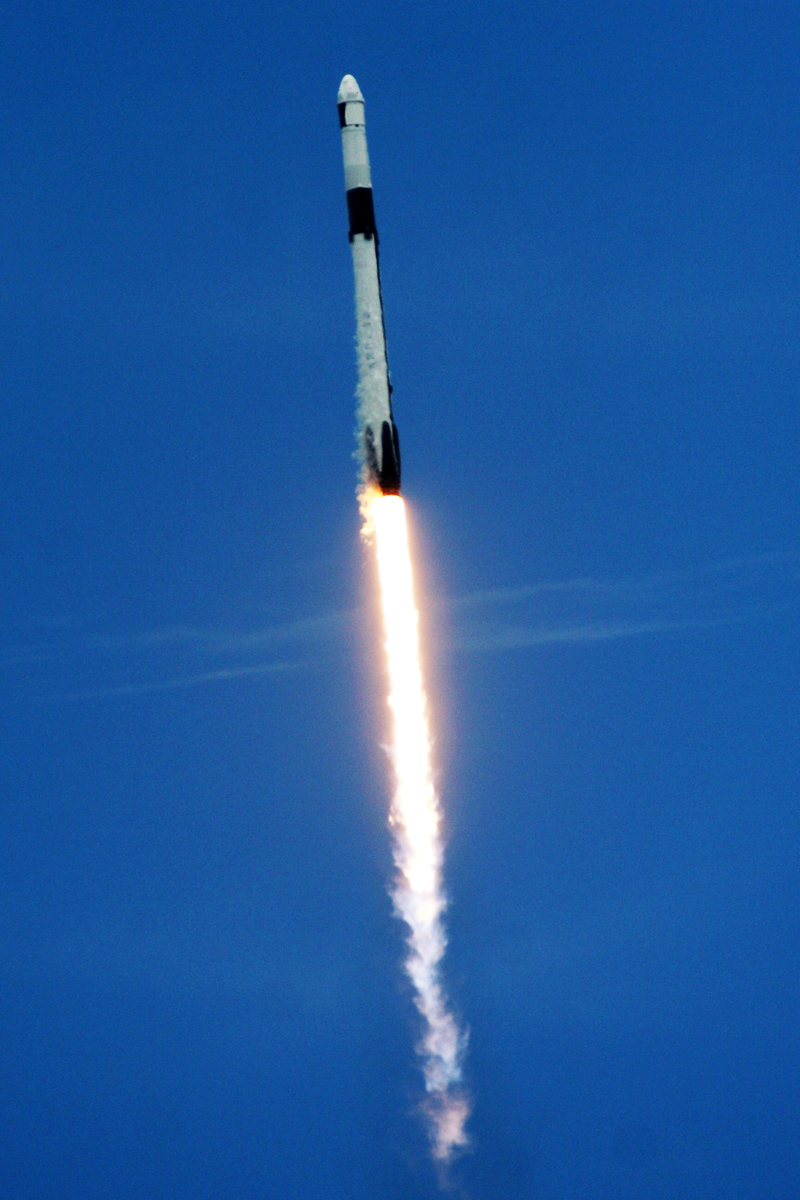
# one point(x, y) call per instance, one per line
point(378, 432)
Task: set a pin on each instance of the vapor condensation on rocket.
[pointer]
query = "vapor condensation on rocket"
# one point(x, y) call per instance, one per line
point(377, 431)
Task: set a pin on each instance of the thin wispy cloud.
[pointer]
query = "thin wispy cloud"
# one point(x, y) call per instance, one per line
point(187, 681)
point(518, 637)
point(594, 610)
point(63, 663)
point(217, 641)
point(727, 575)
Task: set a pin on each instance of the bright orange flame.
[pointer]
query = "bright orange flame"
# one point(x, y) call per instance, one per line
point(416, 818)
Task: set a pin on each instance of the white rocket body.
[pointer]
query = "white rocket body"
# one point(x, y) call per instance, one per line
point(377, 430)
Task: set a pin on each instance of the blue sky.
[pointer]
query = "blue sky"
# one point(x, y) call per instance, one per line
point(589, 235)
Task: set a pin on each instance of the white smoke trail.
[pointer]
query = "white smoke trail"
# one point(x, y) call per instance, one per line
point(415, 819)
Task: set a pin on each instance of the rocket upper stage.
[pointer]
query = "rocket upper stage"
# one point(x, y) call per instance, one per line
point(377, 431)
point(357, 178)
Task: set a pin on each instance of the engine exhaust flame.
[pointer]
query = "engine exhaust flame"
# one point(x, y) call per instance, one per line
point(415, 820)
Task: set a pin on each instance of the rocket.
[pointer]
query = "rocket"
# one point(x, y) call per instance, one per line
point(377, 431)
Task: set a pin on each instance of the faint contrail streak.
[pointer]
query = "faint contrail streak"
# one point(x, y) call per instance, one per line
point(165, 685)
point(415, 820)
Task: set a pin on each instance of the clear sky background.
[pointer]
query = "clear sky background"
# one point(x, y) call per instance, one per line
point(590, 233)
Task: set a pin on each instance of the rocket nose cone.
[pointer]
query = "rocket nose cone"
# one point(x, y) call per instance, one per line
point(349, 91)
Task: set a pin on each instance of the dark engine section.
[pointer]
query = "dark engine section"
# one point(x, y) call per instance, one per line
point(388, 476)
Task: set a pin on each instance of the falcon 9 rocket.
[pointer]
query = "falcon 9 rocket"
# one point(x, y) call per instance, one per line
point(377, 431)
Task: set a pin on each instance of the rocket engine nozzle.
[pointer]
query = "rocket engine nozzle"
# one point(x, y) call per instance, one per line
point(385, 474)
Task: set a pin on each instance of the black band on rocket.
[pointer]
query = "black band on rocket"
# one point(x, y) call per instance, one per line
point(361, 212)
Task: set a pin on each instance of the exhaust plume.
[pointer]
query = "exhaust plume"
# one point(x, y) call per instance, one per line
point(415, 820)
point(415, 817)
